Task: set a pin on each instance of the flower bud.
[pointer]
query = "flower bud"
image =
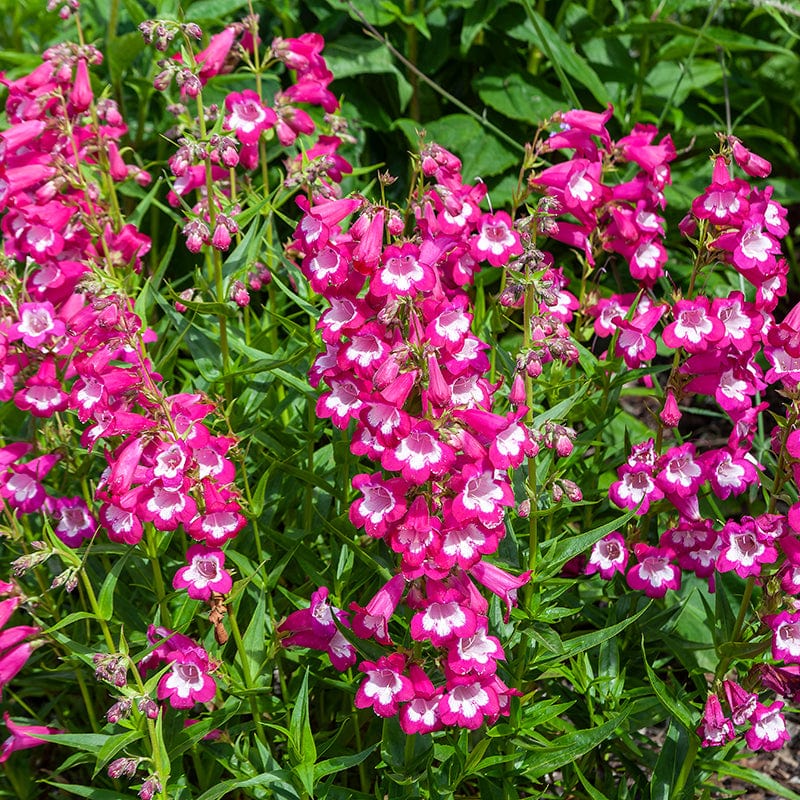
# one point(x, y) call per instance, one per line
point(123, 767)
point(670, 415)
point(120, 710)
point(148, 707)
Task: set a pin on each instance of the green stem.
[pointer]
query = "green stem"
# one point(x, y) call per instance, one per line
point(247, 676)
point(362, 770)
point(688, 763)
point(151, 550)
point(533, 515)
point(723, 665)
point(162, 771)
point(92, 598)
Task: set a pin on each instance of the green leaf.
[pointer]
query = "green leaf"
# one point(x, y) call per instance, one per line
point(565, 54)
point(226, 788)
point(756, 778)
point(113, 746)
point(339, 763)
point(88, 742)
point(565, 749)
point(593, 792)
point(517, 97)
point(105, 599)
point(579, 644)
point(213, 9)
point(302, 749)
point(253, 638)
point(88, 791)
point(478, 15)
point(481, 153)
point(353, 56)
point(670, 762)
point(677, 708)
point(76, 616)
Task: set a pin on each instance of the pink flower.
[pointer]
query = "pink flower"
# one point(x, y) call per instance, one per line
point(636, 488)
point(205, 573)
point(500, 582)
point(384, 686)
point(742, 703)
point(373, 621)
point(715, 728)
point(12, 660)
point(768, 731)
point(754, 165)
point(421, 714)
point(314, 627)
point(694, 328)
point(213, 58)
point(654, 574)
point(80, 95)
point(496, 240)
point(23, 737)
point(476, 654)
point(247, 116)
point(443, 623)
point(75, 523)
point(785, 636)
point(37, 324)
point(743, 550)
point(188, 681)
point(467, 704)
point(609, 556)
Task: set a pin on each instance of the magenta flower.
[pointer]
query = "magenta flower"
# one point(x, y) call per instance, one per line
point(500, 582)
point(421, 714)
point(496, 240)
point(654, 574)
point(373, 620)
point(37, 324)
point(75, 523)
point(384, 686)
point(22, 737)
point(715, 728)
point(742, 550)
point(694, 327)
point(785, 636)
point(188, 682)
point(768, 731)
point(466, 704)
point(247, 117)
point(609, 556)
point(314, 627)
point(205, 573)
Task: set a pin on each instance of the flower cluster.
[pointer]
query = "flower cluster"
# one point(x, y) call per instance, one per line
point(621, 218)
point(72, 342)
point(404, 368)
point(720, 345)
point(213, 144)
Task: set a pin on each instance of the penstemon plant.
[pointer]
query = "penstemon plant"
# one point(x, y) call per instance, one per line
point(523, 476)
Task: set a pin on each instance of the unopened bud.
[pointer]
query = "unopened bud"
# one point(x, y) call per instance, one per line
point(150, 787)
point(120, 710)
point(123, 767)
point(148, 707)
point(194, 30)
point(670, 415)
